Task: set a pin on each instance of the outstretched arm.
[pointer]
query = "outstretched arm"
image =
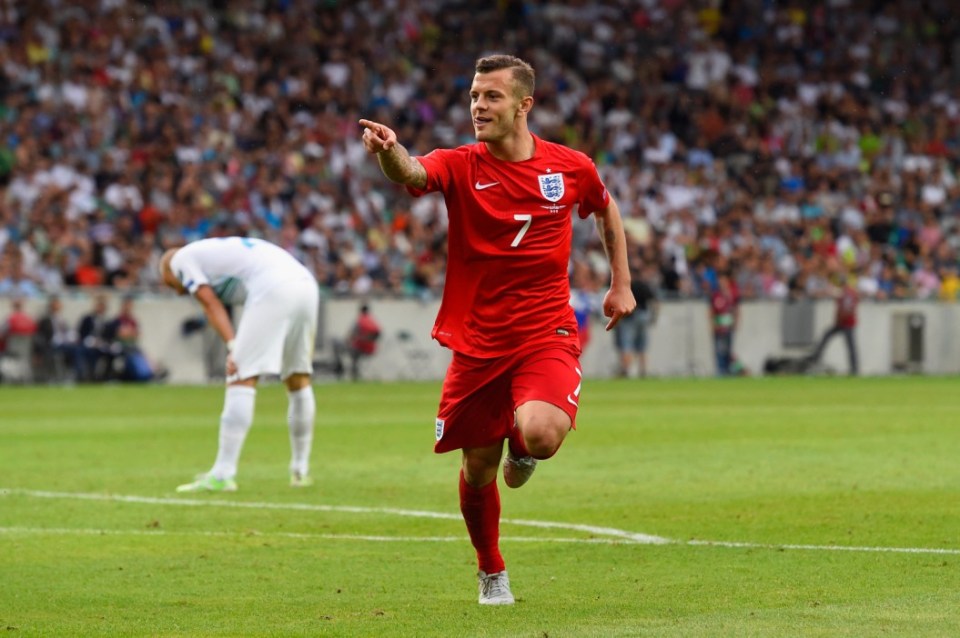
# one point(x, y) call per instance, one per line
point(619, 300)
point(395, 161)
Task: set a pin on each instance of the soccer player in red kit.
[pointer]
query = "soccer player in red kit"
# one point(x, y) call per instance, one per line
point(505, 314)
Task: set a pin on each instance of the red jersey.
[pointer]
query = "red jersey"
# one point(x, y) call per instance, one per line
point(846, 316)
point(365, 334)
point(508, 244)
point(723, 306)
point(20, 323)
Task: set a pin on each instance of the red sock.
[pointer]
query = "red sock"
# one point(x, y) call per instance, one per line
point(481, 512)
point(516, 444)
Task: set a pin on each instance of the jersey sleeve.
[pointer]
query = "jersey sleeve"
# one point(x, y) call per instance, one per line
point(188, 271)
point(595, 195)
point(437, 164)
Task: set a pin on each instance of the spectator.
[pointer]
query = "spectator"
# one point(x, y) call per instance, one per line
point(18, 323)
point(14, 281)
point(845, 323)
point(724, 316)
point(361, 342)
point(129, 363)
point(630, 335)
point(949, 284)
point(16, 341)
point(55, 344)
point(585, 299)
point(94, 356)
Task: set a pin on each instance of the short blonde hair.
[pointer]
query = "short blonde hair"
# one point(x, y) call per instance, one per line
point(164, 264)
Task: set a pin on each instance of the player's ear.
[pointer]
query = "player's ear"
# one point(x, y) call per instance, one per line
point(526, 103)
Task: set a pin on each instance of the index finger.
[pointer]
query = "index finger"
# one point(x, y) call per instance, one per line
point(370, 124)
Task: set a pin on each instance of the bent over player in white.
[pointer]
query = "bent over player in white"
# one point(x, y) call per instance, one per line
point(275, 335)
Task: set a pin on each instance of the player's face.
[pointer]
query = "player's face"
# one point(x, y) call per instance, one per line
point(494, 105)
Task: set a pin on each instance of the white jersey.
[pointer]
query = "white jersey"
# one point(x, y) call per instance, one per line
point(275, 333)
point(236, 268)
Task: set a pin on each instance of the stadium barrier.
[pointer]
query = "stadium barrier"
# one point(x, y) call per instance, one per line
point(893, 337)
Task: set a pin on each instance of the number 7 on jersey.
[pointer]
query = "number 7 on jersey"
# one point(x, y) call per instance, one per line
point(521, 217)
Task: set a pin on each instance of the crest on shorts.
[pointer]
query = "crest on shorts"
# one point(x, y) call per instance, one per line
point(440, 423)
point(551, 186)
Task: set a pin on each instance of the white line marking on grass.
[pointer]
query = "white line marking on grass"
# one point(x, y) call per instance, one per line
point(626, 536)
point(79, 531)
point(615, 536)
point(825, 548)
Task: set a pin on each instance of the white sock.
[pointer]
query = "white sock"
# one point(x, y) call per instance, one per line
point(301, 410)
point(235, 422)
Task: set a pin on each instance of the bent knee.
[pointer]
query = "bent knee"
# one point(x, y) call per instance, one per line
point(543, 436)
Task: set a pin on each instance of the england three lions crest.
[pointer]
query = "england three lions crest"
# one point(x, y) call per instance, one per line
point(551, 186)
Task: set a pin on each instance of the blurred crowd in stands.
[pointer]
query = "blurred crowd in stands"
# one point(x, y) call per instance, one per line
point(782, 143)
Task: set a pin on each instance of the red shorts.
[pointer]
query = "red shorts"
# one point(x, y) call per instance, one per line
point(480, 396)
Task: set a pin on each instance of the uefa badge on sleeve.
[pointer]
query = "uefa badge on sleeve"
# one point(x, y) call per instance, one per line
point(440, 423)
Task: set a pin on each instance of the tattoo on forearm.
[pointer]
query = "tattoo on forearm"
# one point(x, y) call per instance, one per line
point(399, 167)
point(418, 175)
point(609, 240)
point(607, 237)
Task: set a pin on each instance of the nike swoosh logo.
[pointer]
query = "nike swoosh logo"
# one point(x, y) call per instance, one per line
point(575, 395)
point(480, 186)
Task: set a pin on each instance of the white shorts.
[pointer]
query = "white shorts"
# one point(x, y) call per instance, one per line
point(277, 331)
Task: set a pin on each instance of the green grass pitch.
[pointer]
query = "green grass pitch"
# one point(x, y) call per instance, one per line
point(721, 507)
